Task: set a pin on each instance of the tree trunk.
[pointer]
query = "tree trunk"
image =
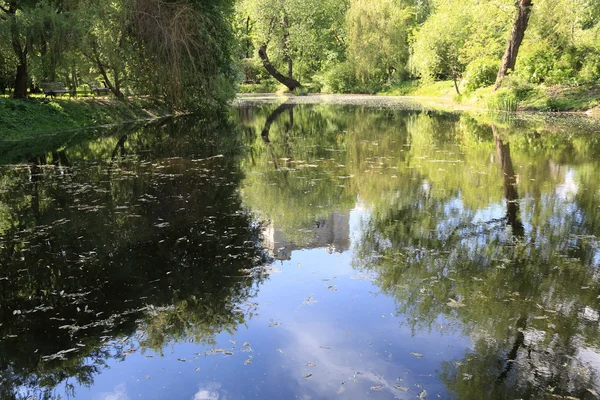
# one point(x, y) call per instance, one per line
point(510, 186)
point(248, 41)
point(114, 88)
point(272, 117)
point(289, 82)
point(21, 77)
point(516, 38)
point(20, 91)
point(455, 79)
point(290, 67)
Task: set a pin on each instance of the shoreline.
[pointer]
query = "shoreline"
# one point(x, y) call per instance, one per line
point(38, 117)
point(428, 102)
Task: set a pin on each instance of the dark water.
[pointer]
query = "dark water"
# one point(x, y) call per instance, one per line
point(305, 251)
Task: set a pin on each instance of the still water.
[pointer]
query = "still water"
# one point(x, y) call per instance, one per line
point(305, 251)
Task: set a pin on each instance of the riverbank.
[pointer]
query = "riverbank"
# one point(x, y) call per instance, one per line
point(24, 119)
point(514, 96)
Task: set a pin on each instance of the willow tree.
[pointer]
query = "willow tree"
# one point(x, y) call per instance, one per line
point(16, 30)
point(378, 38)
point(186, 49)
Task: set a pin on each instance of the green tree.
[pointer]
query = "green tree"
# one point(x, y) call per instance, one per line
point(301, 36)
point(378, 39)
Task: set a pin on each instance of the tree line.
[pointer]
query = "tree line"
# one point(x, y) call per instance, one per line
point(192, 52)
point(365, 46)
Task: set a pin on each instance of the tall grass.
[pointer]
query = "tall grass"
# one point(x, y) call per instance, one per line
point(503, 100)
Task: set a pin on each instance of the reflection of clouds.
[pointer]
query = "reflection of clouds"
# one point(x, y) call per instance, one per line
point(344, 370)
point(211, 391)
point(119, 393)
point(569, 188)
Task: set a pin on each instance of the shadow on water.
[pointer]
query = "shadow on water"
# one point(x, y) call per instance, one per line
point(151, 236)
point(111, 240)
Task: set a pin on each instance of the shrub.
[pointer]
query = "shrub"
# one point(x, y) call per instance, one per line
point(265, 86)
point(590, 69)
point(536, 61)
point(480, 73)
point(340, 78)
point(517, 85)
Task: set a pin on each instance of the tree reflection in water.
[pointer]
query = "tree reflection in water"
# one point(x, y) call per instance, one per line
point(140, 245)
point(150, 236)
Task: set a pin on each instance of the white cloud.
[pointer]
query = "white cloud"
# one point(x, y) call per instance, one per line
point(210, 392)
point(119, 393)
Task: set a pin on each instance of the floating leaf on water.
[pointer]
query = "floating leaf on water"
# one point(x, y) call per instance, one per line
point(378, 387)
point(541, 317)
point(454, 304)
point(279, 351)
point(181, 359)
point(228, 353)
point(148, 377)
point(403, 388)
point(309, 300)
point(246, 344)
point(274, 323)
point(233, 342)
point(248, 361)
point(307, 376)
point(423, 394)
point(309, 364)
point(325, 347)
point(418, 355)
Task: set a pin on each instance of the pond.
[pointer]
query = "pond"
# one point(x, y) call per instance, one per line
point(314, 249)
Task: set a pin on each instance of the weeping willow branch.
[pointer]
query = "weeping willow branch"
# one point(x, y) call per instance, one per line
point(181, 43)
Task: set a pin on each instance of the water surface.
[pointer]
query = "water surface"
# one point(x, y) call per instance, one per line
point(311, 251)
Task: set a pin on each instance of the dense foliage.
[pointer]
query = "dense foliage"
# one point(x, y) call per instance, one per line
point(190, 53)
point(368, 46)
point(177, 52)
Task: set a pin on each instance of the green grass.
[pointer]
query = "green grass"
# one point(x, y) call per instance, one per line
point(565, 98)
point(266, 86)
point(21, 119)
point(414, 88)
point(514, 95)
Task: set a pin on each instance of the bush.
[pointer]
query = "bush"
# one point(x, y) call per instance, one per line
point(340, 78)
point(480, 73)
point(265, 86)
point(536, 61)
point(517, 85)
point(590, 69)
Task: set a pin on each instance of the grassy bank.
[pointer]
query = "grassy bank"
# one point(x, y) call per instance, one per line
point(23, 119)
point(515, 95)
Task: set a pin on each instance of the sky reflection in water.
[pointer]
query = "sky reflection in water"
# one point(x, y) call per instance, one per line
point(323, 251)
